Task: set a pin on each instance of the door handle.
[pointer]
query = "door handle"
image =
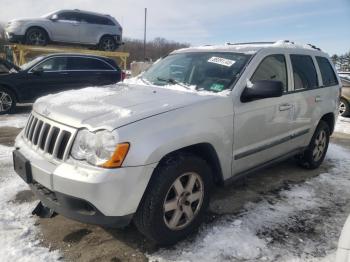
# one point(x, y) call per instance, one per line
point(285, 107)
point(318, 99)
point(63, 73)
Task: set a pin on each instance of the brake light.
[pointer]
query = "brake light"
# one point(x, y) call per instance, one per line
point(123, 75)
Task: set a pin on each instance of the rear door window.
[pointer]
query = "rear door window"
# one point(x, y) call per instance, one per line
point(273, 67)
point(82, 63)
point(304, 72)
point(327, 72)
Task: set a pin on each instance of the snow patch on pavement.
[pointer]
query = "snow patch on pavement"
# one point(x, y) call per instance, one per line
point(18, 235)
point(15, 120)
point(342, 125)
point(246, 236)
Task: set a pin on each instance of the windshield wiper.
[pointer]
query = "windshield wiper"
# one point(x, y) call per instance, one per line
point(173, 81)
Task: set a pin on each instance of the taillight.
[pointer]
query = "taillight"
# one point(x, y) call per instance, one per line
point(123, 75)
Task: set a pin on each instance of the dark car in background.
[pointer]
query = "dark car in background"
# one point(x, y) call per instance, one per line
point(54, 73)
point(344, 105)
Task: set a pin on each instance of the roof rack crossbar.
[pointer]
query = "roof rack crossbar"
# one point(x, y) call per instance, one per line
point(250, 43)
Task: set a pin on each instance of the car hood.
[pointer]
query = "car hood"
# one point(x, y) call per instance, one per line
point(113, 106)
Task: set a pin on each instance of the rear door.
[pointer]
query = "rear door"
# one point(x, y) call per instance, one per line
point(305, 96)
point(91, 71)
point(66, 28)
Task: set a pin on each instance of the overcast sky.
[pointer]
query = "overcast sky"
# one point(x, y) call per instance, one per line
point(325, 23)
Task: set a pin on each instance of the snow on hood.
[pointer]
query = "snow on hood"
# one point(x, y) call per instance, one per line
point(113, 106)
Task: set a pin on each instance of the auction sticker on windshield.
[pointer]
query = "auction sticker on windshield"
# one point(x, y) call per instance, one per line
point(221, 61)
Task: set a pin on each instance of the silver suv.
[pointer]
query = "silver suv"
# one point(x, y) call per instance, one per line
point(151, 149)
point(67, 26)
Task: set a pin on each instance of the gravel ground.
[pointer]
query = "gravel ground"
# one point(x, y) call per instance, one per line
point(283, 213)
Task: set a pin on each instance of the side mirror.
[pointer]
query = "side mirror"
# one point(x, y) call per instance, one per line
point(262, 89)
point(54, 18)
point(38, 71)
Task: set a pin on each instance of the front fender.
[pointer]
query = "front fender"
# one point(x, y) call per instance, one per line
point(153, 138)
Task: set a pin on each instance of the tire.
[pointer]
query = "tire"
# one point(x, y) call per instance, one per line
point(36, 36)
point(344, 107)
point(107, 43)
point(168, 227)
point(314, 155)
point(7, 101)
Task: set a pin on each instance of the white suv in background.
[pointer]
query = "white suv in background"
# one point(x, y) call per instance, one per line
point(150, 150)
point(67, 26)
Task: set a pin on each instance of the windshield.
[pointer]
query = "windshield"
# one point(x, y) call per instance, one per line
point(31, 63)
point(210, 71)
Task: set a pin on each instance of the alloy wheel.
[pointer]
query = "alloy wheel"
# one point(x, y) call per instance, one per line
point(5, 101)
point(108, 45)
point(342, 108)
point(320, 146)
point(37, 38)
point(183, 201)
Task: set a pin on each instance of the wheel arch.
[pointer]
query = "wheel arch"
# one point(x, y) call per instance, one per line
point(11, 89)
point(38, 27)
point(205, 151)
point(329, 118)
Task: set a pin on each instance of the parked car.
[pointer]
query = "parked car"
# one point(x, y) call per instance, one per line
point(151, 150)
point(68, 26)
point(54, 73)
point(343, 252)
point(344, 106)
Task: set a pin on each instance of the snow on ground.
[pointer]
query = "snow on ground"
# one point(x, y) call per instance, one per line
point(15, 120)
point(264, 230)
point(19, 239)
point(342, 125)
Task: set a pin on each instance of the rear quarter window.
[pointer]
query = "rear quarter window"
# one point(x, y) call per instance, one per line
point(304, 72)
point(327, 72)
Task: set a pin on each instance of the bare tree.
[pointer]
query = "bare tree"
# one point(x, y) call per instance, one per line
point(155, 49)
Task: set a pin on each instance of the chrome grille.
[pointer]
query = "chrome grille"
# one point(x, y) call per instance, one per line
point(49, 137)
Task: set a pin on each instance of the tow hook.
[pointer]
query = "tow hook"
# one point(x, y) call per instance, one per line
point(43, 212)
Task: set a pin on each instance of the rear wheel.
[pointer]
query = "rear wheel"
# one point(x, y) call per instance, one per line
point(344, 108)
point(107, 43)
point(176, 199)
point(7, 101)
point(36, 36)
point(314, 155)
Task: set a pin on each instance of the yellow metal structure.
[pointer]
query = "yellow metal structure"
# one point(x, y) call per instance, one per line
point(22, 53)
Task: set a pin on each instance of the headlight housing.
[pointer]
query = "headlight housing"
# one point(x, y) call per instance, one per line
point(99, 149)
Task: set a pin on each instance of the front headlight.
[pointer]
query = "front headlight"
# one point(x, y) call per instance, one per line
point(15, 24)
point(100, 149)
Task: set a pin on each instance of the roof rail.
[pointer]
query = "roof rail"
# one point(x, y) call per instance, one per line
point(250, 43)
point(314, 47)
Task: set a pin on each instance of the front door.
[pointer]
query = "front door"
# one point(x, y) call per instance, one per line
point(48, 77)
point(66, 28)
point(262, 128)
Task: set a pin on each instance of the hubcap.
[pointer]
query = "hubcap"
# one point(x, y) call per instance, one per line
point(5, 101)
point(320, 146)
point(342, 108)
point(37, 38)
point(183, 201)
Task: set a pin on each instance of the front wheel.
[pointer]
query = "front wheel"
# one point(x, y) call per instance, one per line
point(314, 155)
point(175, 202)
point(36, 36)
point(7, 101)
